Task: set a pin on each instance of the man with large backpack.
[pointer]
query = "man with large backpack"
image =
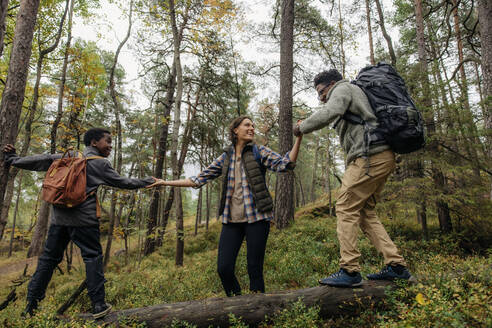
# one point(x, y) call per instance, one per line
point(369, 162)
point(76, 222)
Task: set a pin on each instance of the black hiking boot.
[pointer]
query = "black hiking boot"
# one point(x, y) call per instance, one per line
point(100, 310)
point(31, 307)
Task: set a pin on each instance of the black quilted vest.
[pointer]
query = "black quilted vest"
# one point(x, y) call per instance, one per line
point(255, 174)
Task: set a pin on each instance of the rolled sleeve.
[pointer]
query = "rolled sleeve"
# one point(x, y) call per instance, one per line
point(274, 161)
point(213, 171)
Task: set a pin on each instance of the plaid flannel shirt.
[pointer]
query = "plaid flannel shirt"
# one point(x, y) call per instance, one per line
point(270, 159)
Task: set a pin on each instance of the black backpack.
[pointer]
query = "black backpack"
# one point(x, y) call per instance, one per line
point(400, 123)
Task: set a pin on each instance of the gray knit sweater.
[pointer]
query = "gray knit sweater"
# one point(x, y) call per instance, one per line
point(345, 96)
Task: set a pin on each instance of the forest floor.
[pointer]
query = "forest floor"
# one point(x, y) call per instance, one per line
point(455, 288)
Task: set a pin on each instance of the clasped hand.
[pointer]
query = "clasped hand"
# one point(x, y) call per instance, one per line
point(157, 183)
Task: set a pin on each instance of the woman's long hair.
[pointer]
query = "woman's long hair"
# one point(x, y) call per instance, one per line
point(234, 124)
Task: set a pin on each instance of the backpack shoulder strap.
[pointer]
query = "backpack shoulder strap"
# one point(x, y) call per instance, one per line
point(257, 155)
point(94, 157)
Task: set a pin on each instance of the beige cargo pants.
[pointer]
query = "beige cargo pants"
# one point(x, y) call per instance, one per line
point(355, 208)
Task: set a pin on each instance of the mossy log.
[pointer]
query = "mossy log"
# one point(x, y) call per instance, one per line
point(254, 308)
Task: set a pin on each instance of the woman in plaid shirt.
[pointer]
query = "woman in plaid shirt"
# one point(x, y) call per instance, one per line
point(246, 206)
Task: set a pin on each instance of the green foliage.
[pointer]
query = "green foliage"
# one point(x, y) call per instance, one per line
point(297, 316)
point(455, 287)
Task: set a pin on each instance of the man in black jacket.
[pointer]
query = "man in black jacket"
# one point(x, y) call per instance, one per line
point(79, 224)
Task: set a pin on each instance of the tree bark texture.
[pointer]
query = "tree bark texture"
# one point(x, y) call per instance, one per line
point(12, 234)
point(386, 36)
point(61, 88)
point(437, 175)
point(284, 198)
point(253, 308)
point(4, 6)
point(118, 155)
point(314, 176)
point(40, 230)
point(13, 94)
point(369, 31)
point(485, 22)
point(473, 143)
point(32, 111)
point(179, 228)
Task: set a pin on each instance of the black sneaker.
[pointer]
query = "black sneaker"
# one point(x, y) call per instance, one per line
point(31, 307)
point(100, 310)
point(391, 273)
point(342, 279)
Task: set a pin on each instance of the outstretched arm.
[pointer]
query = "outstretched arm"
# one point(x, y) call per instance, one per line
point(32, 163)
point(173, 183)
point(213, 171)
point(295, 149)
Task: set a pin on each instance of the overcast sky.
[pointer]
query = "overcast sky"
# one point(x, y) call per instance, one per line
point(111, 27)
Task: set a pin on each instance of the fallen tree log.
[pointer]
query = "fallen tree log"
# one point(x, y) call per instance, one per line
point(253, 308)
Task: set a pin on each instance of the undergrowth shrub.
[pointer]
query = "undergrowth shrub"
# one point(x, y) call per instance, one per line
point(454, 291)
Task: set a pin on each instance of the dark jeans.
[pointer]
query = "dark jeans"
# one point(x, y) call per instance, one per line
point(231, 238)
point(87, 239)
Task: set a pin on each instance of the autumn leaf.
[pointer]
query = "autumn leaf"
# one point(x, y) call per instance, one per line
point(421, 299)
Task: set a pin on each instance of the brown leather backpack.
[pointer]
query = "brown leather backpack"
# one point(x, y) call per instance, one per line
point(66, 179)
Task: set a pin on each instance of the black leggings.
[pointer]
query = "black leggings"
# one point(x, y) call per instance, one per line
point(231, 238)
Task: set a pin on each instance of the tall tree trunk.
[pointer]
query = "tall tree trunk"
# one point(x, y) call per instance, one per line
point(369, 31)
point(284, 201)
point(314, 177)
point(12, 234)
point(40, 230)
point(328, 175)
point(179, 228)
point(41, 226)
point(386, 36)
point(13, 94)
point(32, 111)
point(437, 175)
point(61, 88)
point(175, 135)
point(150, 240)
point(35, 98)
point(179, 205)
point(485, 21)
point(207, 203)
point(198, 217)
point(473, 143)
point(118, 155)
point(176, 171)
point(340, 28)
point(4, 6)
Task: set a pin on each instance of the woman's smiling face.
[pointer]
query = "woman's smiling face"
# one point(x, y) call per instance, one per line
point(245, 132)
